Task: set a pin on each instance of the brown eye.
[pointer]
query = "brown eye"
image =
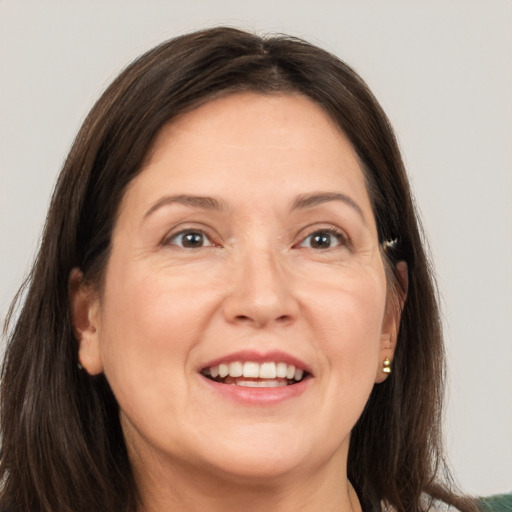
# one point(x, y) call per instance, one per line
point(323, 239)
point(190, 240)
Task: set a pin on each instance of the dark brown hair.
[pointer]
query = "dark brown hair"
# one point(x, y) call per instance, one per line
point(62, 444)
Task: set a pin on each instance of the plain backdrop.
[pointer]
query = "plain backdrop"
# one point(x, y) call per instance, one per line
point(442, 71)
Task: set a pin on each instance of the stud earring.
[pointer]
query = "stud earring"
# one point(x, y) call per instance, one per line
point(386, 366)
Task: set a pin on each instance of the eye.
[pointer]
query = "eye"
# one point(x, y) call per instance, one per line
point(190, 239)
point(323, 239)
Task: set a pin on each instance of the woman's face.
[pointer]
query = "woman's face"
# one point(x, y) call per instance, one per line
point(243, 321)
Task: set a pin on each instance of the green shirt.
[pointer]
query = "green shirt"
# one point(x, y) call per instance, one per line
point(498, 503)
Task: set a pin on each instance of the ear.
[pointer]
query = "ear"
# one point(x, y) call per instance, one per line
point(391, 323)
point(85, 316)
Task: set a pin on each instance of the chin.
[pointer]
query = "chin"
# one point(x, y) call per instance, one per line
point(264, 455)
point(258, 469)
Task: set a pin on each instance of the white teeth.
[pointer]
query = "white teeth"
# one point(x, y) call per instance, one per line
point(251, 370)
point(223, 370)
point(268, 370)
point(281, 370)
point(235, 369)
point(261, 383)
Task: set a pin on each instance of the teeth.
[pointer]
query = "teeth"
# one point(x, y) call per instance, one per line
point(281, 370)
point(252, 370)
point(236, 369)
point(268, 371)
point(261, 383)
point(223, 370)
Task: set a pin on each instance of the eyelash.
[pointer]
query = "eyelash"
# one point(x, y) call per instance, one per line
point(340, 239)
point(171, 238)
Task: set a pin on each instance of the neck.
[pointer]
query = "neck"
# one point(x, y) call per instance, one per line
point(193, 490)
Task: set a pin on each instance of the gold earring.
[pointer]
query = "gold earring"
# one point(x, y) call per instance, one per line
point(386, 365)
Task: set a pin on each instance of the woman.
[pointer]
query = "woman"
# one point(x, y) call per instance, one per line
point(231, 308)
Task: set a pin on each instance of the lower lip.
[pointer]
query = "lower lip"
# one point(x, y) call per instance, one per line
point(257, 396)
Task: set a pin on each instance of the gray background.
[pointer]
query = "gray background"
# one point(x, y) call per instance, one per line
point(442, 71)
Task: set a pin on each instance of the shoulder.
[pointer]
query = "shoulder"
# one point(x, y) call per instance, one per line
point(428, 504)
point(497, 503)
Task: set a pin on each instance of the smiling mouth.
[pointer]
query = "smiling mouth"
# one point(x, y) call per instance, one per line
point(255, 375)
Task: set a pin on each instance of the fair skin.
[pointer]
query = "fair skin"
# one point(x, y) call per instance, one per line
point(248, 237)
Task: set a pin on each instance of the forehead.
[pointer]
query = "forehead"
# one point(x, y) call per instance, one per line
point(248, 119)
point(249, 144)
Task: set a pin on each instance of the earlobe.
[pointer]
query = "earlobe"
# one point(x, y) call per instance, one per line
point(391, 324)
point(85, 315)
point(386, 353)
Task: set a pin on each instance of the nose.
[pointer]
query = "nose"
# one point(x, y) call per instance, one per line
point(261, 292)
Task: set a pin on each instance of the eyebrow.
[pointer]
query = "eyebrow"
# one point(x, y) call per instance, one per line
point(310, 200)
point(303, 201)
point(202, 202)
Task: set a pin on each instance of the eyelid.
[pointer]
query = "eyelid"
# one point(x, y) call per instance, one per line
point(340, 234)
point(175, 232)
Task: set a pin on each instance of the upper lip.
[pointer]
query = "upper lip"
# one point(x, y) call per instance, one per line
point(258, 357)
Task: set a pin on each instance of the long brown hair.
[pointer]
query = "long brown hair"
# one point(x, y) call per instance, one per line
point(62, 444)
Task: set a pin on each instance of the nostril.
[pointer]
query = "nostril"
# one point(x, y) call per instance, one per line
point(283, 319)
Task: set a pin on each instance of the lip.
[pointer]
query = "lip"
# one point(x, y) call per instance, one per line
point(257, 396)
point(259, 357)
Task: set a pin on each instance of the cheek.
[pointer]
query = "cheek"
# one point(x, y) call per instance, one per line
point(351, 303)
point(149, 325)
point(348, 322)
point(347, 319)
point(148, 331)
point(153, 316)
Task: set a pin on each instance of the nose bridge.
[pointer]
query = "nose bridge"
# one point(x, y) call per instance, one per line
point(261, 292)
